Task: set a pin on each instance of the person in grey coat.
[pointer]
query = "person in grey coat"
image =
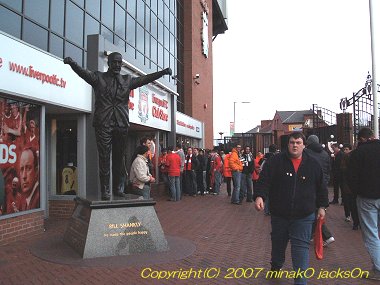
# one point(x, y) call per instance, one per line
point(315, 149)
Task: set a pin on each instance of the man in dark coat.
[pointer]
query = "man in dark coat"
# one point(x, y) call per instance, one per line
point(111, 116)
point(364, 182)
point(336, 171)
point(293, 180)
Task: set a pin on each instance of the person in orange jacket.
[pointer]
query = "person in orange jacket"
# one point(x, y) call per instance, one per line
point(236, 167)
point(227, 172)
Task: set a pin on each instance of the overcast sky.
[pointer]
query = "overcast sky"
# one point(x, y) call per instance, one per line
point(288, 55)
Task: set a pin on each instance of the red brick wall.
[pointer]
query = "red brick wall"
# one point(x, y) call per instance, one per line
point(61, 208)
point(198, 92)
point(17, 228)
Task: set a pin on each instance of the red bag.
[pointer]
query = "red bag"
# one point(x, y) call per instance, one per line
point(318, 239)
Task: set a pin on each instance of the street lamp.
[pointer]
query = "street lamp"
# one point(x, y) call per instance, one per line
point(374, 82)
point(234, 113)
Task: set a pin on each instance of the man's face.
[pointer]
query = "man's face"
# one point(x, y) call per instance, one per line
point(247, 150)
point(346, 150)
point(295, 147)
point(148, 143)
point(114, 63)
point(189, 150)
point(28, 173)
point(195, 151)
point(238, 148)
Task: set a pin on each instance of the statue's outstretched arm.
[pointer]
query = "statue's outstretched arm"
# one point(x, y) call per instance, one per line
point(145, 79)
point(85, 74)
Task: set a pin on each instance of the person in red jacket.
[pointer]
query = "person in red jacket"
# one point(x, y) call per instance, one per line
point(216, 171)
point(173, 164)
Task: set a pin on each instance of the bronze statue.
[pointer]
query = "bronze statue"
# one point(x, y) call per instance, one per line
point(111, 117)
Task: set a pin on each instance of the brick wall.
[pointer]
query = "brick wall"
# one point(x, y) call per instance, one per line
point(17, 228)
point(61, 208)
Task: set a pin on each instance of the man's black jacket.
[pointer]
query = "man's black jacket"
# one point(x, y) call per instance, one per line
point(364, 170)
point(292, 195)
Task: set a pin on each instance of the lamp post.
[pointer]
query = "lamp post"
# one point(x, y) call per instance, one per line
point(374, 83)
point(234, 113)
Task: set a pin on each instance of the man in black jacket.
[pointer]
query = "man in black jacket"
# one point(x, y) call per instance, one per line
point(111, 116)
point(364, 181)
point(337, 173)
point(293, 180)
point(246, 175)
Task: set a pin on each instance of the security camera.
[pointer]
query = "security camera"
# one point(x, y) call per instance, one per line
point(196, 76)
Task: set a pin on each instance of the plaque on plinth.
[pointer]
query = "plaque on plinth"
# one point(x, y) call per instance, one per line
point(115, 227)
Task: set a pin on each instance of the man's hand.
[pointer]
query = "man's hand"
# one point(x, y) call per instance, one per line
point(168, 71)
point(68, 60)
point(152, 179)
point(259, 204)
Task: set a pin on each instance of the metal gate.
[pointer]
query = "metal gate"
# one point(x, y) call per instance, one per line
point(324, 124)
point(362, 104)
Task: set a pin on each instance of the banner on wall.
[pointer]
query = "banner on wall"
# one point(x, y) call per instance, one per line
point(19, 156)
point(30, 73)
point(188, 126)
point(150, 107)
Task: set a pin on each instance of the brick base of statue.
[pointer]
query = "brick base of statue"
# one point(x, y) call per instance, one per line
point(116, 227)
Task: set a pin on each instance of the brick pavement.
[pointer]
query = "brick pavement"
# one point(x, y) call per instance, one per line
point(226, 236)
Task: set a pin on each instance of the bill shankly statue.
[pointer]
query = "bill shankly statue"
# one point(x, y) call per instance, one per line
point(111, 117)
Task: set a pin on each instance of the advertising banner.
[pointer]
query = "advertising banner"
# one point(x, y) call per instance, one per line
point(188, 126)
point(150, 107)
point(19, 156)
point(34, 74)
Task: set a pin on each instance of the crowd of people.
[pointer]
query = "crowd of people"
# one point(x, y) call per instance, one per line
point(289, 186)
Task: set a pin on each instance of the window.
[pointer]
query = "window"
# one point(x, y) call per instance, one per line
point(74, 24)
point(57, 13)
point(91, 28)
point(107, 13)
point(140, 38)
point(37, 10)
point(131, 31)
point(140, 12)
point(10, 22)
point(35, 35)
point(120, 21)
point(74, 52)
point(15, 4)
point(93, 7)
point(56, 45)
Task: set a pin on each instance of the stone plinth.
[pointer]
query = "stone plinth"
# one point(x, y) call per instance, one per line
point(116, 227)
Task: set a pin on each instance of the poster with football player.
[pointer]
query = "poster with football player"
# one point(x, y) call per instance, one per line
point(19, 156)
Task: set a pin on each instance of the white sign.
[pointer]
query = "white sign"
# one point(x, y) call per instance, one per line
point(150, 107)
point(27, 72)
point(188, 126)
